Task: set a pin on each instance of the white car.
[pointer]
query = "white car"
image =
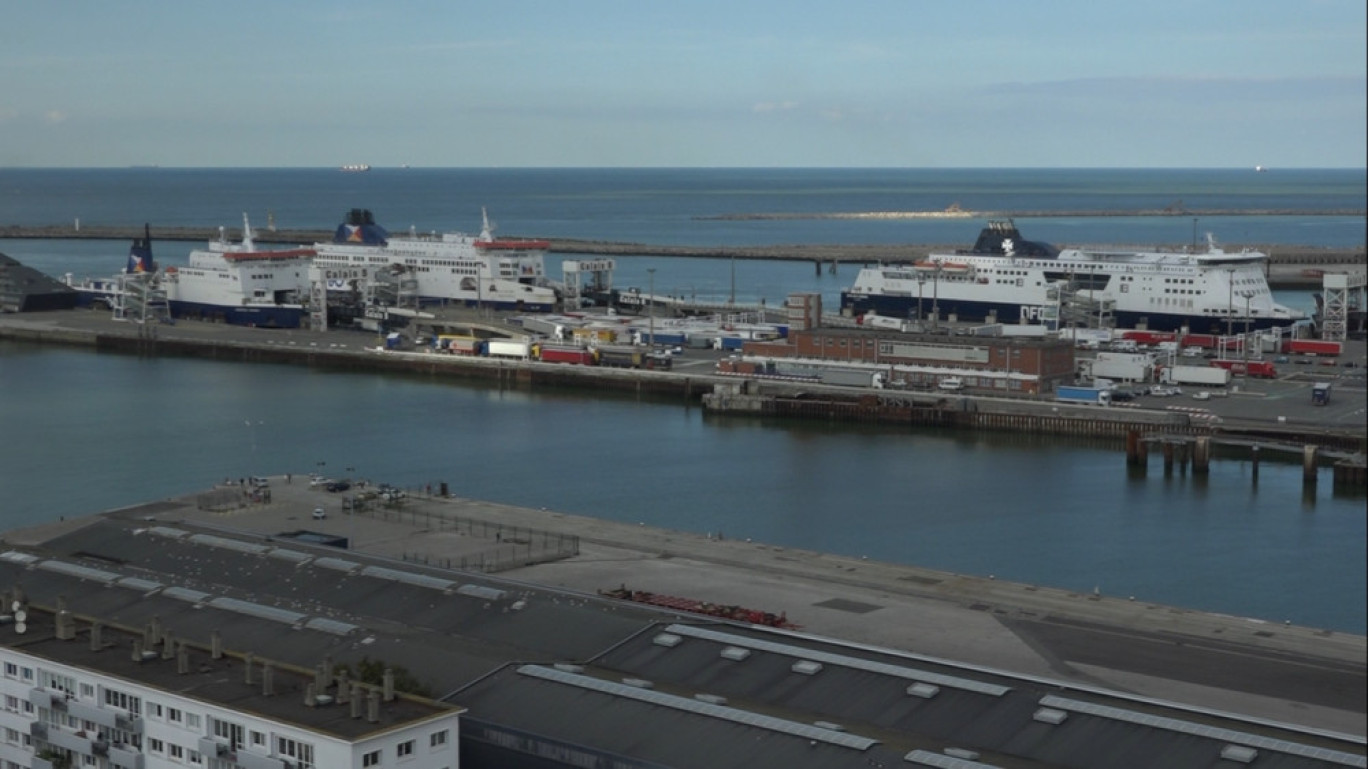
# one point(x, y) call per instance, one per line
point(319, 514)
point(1201, 396)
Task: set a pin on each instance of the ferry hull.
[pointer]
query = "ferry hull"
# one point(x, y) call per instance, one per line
point(259, 317)
point(1007, 312)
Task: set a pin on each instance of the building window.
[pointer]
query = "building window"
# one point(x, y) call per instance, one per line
point(371, 759)
point(301, 752)
point(405, 749)
point(438, 739)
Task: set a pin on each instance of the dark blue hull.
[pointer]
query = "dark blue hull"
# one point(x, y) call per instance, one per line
point(260, 317)
point(906, 307)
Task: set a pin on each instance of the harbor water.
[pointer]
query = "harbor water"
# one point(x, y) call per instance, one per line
point(84, 431)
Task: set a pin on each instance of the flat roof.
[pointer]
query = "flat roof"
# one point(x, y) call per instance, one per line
point(538, 666)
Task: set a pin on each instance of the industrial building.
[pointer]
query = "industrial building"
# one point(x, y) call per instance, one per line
point(133, 622)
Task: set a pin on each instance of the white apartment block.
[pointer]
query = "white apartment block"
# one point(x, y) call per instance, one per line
point(97, 698)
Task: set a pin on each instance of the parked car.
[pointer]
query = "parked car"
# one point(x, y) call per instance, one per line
point(1201, 396)
point(337, 486)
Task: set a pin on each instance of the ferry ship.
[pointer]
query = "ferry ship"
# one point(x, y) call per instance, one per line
point(240, 284)
point(1013, 280)
point(474, 270)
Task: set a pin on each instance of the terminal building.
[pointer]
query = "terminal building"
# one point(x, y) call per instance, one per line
point(139, 643)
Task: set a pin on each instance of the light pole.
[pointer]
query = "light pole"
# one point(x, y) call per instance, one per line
point(1230, 301)
point(733, 280)
point(650, 297)
point(1244, 344)
point(921, 282)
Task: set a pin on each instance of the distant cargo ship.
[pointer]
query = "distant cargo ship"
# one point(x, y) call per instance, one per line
point(355, 167)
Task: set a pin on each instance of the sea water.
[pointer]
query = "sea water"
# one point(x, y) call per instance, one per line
point(84, 432)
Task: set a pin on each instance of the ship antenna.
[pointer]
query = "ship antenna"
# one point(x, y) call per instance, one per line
point(487, 230)
point(247, 243)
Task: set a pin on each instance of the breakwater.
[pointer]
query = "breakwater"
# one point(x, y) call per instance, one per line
point(856, 253)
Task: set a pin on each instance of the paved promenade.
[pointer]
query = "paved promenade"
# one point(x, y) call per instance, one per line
point(1285, 673)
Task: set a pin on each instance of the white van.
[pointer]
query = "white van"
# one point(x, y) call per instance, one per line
point(952, 383)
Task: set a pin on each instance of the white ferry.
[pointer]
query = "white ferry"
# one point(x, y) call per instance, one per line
point(239, 284)
point(474, 270)
point(1011, 279)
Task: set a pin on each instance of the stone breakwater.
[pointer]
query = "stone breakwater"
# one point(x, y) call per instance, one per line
point(1290, 266)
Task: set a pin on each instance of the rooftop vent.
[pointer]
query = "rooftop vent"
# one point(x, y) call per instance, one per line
point(668, 640)
point(807, 667)
point(1239, 753)
point(925, 691)
point(1050, 716)
point(735, 653)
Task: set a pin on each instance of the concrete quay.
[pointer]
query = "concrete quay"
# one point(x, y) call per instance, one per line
point(1255, 667)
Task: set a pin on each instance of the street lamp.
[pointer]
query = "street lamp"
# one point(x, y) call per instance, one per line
point(921, 282)
point(650, 297)
point(733, 280)
point(1230, 301)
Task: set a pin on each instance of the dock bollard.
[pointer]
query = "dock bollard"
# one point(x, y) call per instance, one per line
point(1201, 455)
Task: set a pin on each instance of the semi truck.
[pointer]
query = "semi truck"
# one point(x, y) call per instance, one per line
point(1213, 376)
point(1320, 394)
point(851, 377)
point(1122, 366)
point(1098, 396)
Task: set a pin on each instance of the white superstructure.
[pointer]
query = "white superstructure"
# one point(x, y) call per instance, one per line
point(241, 284)
point(1018, 281)
point(439, 267)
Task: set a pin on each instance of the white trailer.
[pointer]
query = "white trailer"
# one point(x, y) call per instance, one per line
point(509, 348)
point(1213, 376)
point(1123, 366)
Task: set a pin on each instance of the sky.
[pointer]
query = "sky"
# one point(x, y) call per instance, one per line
point(685, 83)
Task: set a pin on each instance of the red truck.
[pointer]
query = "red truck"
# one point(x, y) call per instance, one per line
point(1312, 347)
point(577, 355)
point(1259, 369)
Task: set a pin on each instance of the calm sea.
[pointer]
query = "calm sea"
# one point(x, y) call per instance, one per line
point(83, 432)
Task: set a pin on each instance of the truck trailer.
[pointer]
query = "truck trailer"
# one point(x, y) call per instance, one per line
point(1098, 396)
point(1123, 366)
point(1213, 376)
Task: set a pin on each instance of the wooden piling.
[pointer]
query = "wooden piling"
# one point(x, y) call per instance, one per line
point(1254, 458)
point(1309, 453)
point(1168, 457)
point(1201, 455)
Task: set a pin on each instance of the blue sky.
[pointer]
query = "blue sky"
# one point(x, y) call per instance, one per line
point(1164, 83)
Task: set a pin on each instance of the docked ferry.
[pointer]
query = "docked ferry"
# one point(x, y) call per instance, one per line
point(1013, 280)
point(438, 268)
point(241, 284)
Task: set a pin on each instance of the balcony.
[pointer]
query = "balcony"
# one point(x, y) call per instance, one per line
point(96, 715)
point(125, 757)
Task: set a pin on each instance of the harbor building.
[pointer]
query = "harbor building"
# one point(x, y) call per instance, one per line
point(1010, 364)
point(157, 635)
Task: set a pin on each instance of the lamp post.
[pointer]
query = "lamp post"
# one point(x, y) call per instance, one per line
point(650, 297)
point(921, 282)
point(1230, 301)
point(733, 280)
